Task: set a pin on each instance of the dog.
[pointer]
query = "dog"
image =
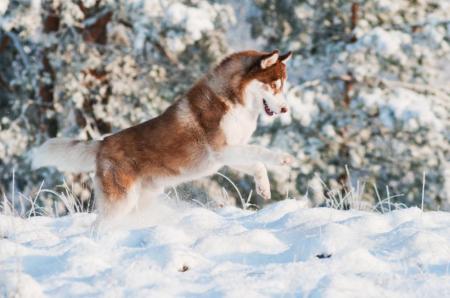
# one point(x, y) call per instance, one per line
point(203, 131)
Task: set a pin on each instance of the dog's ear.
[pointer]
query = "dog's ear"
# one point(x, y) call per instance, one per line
point(285, 57)
point(270, 59)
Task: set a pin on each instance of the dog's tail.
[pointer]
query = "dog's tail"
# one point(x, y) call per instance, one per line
point(66, 155)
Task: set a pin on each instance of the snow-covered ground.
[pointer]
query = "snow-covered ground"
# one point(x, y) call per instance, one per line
point(281, 250)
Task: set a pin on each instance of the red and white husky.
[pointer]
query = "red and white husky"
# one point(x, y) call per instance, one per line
point(196, 136)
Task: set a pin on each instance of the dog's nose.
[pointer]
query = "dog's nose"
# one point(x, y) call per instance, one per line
point(284, 110)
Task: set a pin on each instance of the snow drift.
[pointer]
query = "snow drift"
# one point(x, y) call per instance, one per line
point(283, 249)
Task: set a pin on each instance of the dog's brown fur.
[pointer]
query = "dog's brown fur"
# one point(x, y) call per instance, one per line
point(194, 137)
point(163, 146)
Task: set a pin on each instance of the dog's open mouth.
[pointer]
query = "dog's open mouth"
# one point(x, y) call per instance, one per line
point(267, 109)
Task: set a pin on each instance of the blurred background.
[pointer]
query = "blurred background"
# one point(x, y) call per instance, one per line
point(369, 91)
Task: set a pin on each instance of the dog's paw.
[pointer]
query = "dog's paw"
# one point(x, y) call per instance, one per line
point(263, 191)
point(285, 159)
point(263, 186)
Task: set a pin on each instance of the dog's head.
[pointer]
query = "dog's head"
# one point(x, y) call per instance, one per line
point(267, 79)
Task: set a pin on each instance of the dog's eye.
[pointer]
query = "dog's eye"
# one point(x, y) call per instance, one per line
point(276, 84)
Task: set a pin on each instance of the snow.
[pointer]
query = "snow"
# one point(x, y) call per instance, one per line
point(194, 20)
point(303, 108)
point(404, 105)
point(238, 33)
point(386, 43)
point(3, 6)
point(181, 250)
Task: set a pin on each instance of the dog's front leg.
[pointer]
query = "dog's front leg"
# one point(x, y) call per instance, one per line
point(239, 155)
point(259, 173)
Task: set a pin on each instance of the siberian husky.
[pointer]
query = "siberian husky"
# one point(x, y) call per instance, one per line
point(197, 135)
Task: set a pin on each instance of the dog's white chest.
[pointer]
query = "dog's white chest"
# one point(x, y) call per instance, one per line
point(238, 125)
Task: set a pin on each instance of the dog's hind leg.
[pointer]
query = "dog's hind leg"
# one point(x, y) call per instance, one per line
point(149, 193)
point(112, 205)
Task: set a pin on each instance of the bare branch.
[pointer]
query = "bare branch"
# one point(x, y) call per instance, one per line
point(19, 48)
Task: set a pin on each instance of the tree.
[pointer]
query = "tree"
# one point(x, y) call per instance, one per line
point(366, 93)
point(88, 68)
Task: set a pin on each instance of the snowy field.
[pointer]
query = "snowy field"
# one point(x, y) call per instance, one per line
point(284, 250)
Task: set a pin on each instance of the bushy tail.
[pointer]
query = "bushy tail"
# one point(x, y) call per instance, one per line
point(68, 155)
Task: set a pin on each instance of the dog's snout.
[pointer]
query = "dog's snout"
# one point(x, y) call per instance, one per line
point(284, 110)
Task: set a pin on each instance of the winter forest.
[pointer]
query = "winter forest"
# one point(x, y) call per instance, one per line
point(368, 92)
point(363, 211)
